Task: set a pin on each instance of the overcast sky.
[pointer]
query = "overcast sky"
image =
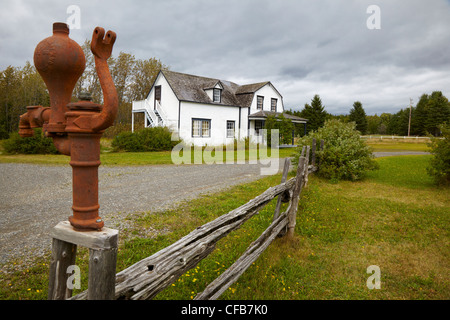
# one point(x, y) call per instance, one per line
point(303, 47)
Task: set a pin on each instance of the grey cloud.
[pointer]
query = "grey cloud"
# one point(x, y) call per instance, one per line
point(303, 47)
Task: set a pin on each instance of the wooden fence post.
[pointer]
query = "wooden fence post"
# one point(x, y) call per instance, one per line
point(102, 274)
point(296, 195)
point(313, 149)
point(63, 256)
point(287, 163)
point(320, 148)
point(102, 246)
point(305, 175)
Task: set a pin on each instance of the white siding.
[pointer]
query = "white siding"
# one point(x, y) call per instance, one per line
point(169, 101)
point(268, 92)
point(209, 92)
point(218, 116)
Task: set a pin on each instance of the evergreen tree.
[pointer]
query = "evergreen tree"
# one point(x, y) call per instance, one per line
point(358, 115)
point(419, 116)
point(398, 124)
point(314, 113)
point(438, 113)
point(430, 112)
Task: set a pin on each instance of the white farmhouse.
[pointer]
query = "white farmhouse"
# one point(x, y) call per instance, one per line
point(206, 111)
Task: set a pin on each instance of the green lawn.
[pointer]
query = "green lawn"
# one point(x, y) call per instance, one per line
point(164, 157)
point(124, 158)
point(395, 219)
point(396, 145)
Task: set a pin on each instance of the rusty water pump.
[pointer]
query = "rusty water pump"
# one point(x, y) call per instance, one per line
point(75, 127)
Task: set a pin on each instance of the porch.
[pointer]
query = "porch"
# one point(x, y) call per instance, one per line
point(257, 123)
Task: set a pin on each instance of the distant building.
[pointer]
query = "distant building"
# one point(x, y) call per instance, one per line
point(206, 111)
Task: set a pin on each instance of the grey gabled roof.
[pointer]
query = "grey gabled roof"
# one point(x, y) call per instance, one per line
point(192, 88)
point(251, 88)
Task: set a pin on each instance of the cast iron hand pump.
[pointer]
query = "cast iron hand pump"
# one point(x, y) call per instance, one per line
point(75, 127)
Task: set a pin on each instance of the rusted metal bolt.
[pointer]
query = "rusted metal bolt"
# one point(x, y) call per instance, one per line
point(84, 95)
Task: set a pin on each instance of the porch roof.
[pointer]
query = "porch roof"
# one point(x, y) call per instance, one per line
point(262, 114)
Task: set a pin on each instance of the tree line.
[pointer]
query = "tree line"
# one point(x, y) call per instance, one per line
point(23, 86)
point(430, 112)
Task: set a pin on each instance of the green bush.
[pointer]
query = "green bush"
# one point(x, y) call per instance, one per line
point(345, 155)
point(148, 139)
point(126, 141)
point(3, 133)
point(440, 162)
point(37, 144)
point(284, 127)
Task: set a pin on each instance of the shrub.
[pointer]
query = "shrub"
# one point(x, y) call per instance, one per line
point(345, 155)
point(3, 133)
point(116, 129)
point(37, 144)
point(148, 139)
point(284, 127)
point(126, 141)
point(439, 167)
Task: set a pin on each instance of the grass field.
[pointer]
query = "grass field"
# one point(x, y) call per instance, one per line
point(128, 158)
point(386, 146)
point(164, 157)
point(395, 219)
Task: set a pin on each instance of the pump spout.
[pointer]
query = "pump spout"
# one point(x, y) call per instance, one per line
point(101, 47)
point(24, 126)
point(35, 117)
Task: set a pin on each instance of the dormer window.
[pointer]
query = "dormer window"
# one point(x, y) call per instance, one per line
point(217, 95)
point(273, 105)
point(259, 102)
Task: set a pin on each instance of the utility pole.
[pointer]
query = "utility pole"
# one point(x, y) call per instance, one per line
point(409, 123)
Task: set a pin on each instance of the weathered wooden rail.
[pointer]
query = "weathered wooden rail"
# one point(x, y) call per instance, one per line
point(146, 278)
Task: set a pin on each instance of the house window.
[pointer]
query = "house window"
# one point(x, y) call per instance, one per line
point(201, 128)
point(259, 102)
point(158, 93)
point(230, 129)
point(273, 105)
point(258, 126)
point(217, 93)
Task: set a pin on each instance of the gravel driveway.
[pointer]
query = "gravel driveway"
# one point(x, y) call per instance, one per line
point(398, 153)
point(34, 198)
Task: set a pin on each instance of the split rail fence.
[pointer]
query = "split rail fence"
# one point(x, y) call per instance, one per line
point(146, 278)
